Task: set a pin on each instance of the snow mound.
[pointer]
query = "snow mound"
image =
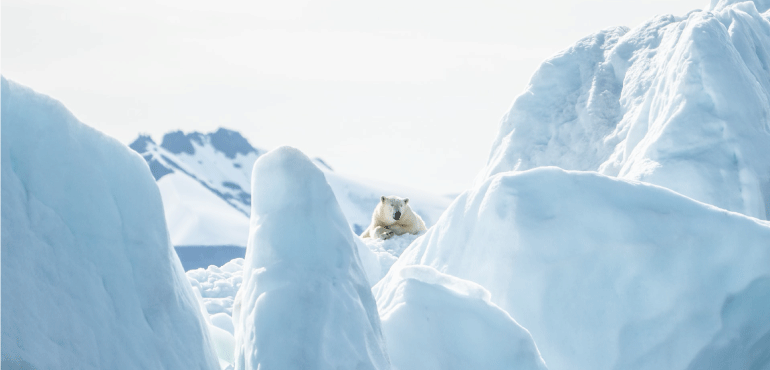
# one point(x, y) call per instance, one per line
point(436, 321)
point(681, 102)
point(605, 273)
point(89, 279)
point(305, 302)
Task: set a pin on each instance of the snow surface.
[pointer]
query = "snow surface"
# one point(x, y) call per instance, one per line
point(184, 201)
point(436, 321)
point(304, 301)
point(89, 278)
point(681, 102)
point(608, 273)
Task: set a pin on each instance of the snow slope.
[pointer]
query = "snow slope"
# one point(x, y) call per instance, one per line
point(219, 161)
point(304, 302)
point(204, 181)
point(681, 102)
point(436, 321)
point(184, 202)
point(89, 279)
point(205, 184)
point(607, 273)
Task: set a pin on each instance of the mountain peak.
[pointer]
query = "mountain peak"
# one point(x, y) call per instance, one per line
point(140, 144)
point(178, 142)
point(230, 143)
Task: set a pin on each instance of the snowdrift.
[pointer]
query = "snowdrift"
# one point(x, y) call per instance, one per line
point(304, 302)
point(89, 279)
point(434, 321)
point(681, 102)
point(607, 273)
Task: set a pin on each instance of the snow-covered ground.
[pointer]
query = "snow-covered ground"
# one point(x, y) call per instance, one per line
point(89, 278)
point(681, 102)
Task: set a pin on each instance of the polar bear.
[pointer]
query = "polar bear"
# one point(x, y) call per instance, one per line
point(393, 216)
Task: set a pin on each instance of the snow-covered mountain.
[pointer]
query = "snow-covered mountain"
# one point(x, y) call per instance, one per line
point(220, 162)
point(681, 102)
point(205, 179)
point(89, 279)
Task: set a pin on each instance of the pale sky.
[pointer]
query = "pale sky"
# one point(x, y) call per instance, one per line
point(407, 92)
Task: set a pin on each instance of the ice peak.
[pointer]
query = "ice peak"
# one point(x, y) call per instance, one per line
point(285, 178)
point(305, 301)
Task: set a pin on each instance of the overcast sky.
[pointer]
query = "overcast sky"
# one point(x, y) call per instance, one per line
point(408, 92)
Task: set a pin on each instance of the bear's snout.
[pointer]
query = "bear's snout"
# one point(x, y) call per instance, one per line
point(397, 215)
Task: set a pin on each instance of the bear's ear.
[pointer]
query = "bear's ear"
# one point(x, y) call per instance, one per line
point(406, 200)
point(382, 198)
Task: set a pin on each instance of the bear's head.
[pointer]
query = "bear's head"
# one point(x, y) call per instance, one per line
point(392, 208)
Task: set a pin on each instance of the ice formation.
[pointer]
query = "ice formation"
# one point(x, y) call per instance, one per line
point(218, 285)
point(89, 278)
point(434, 321)
point(305, 302)
point(681, 102)
point(607, 273)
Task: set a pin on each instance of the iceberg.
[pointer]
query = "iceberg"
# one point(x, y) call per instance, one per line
point(89, 278)
point(434, 321)
point(608, 273)
point(680, 102)
point(304, 302)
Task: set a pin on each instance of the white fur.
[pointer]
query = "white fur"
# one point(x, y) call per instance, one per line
point(384, 225)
